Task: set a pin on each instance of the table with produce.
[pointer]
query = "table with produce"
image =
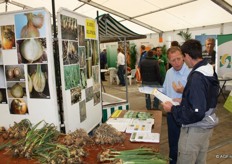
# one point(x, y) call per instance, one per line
point(24, 143)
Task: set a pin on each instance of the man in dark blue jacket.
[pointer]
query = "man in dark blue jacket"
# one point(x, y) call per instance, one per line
point(196, 112)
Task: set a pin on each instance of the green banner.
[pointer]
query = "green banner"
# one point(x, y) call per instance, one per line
point(224, 62)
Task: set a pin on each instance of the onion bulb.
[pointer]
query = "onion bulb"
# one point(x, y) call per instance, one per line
point(17, 72)
point(29, 30)
point(30, 84)
point(17, 91)
point(38, 20)
point(39, 80)
point(10, 73)
point(31, 49)
point(18, 106)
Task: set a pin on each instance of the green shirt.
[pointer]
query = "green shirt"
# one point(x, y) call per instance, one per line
point(162, 65)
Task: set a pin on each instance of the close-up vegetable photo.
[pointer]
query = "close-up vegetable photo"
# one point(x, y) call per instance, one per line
point(30, 25)
point(37, 79)
point(32, 51)
point(8, 37)
point(16, 89)
point(18, 106)
point(14, 72)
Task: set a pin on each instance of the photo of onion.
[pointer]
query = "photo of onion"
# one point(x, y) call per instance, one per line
point(16, 89)
point(8, 37)
point(32, 50)
point(18, 106)
point(37, 80)
point(14, 72)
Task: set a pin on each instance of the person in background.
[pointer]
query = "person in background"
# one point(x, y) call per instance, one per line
point(150, 74)
point(173, 43)
point(143, 54)
point(209, 52)
point(196, 112)
point(121, 66)
point(175, 80)
point(162, 59)
point(103, 62)
point(154, 52)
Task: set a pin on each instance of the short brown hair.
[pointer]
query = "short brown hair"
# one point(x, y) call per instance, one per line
point(143, 47)
point(173, 49)
point(150, 53)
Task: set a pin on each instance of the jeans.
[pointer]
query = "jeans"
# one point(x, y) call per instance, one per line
point(121, 74)
point(148, 102)
point(173, 137)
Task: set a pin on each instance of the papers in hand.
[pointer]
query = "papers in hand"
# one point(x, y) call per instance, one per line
point(162, 97)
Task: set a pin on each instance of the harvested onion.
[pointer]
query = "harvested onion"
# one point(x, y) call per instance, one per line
point(10, 73)
point(17, 91)
point(39, 80)
point(38, 20)
point(17, 72)
point(31, 49)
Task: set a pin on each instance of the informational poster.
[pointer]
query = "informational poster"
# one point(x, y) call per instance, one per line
point(224, 64)
point(27, 88)
point(80, 70)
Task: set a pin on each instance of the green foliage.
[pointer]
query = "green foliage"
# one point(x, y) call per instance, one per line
point(185, 35)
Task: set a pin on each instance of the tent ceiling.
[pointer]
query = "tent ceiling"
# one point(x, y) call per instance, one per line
point(155, 15)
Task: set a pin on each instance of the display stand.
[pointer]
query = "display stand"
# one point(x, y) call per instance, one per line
point(27, 75)
point(80, 70)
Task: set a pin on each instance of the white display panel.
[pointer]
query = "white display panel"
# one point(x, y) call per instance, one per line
point(80, 70)
point(27, 85)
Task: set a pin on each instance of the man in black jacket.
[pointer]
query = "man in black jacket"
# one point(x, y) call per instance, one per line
point(150, 73)
point(196, 112)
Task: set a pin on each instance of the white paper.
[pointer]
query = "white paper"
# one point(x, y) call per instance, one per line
point(162, 97)
point(145, 137)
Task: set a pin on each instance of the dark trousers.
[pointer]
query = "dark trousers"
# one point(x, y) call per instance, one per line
point(102, 66)
point(148, 102)
point(120, 73)
point(173, 138)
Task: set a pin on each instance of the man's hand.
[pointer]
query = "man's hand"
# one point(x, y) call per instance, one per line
point(167, 106)
point(177, 100)
point(179, 88)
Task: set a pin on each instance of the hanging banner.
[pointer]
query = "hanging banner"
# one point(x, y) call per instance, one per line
point(224, 62)
point(90, 29)
point(27, 72)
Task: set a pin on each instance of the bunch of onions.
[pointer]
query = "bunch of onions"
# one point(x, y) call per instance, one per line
point(31, 49)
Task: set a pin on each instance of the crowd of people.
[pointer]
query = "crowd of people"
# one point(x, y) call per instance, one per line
point(186, 74)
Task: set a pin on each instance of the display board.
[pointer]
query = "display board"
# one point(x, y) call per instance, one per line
point(80, 70)
point(27, 85)
point(224, 54)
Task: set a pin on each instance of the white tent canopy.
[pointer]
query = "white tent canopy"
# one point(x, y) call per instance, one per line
point(141, 16)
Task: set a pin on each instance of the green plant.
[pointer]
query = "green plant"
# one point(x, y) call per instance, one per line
point(185, 35)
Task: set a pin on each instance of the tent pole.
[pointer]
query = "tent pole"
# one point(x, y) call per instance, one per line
point(57, 68)
point(125, 52)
